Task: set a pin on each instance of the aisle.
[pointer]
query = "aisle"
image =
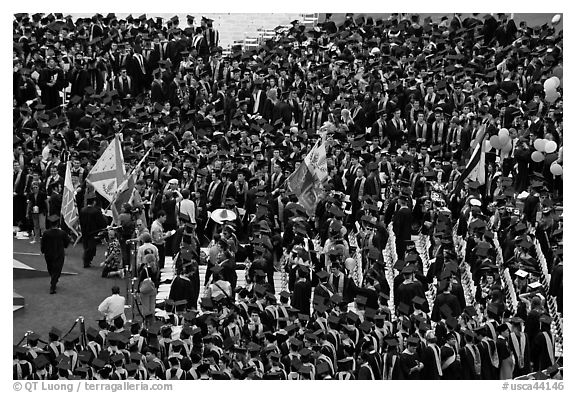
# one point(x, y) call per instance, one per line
point(168, 274)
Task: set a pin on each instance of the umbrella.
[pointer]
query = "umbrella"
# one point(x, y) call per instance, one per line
point(222, 215)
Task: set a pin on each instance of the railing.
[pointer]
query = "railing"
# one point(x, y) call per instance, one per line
point(390, 258)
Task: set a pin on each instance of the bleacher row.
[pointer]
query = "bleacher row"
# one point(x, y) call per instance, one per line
point(263, 35)
point(169, 272)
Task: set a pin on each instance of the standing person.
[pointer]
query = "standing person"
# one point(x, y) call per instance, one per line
point(91, 222)
point(159, 237)
point(113, 306)
point(402, 225)
point(36, 210)
point(302, 292)
point(147, 287)
point(54, 241)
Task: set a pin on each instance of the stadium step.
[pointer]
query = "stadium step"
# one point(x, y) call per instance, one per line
point(18, 300)
point(169, 272)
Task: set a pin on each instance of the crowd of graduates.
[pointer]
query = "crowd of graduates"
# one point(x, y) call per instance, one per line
point(408, 267)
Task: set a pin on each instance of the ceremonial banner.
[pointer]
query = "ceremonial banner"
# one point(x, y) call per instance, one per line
point(125, 191)
point(306, 179)
point(108, 173)
point(316, 161)
point(69, 210)
point(124, 195)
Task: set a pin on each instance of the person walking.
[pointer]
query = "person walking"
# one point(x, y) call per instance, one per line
point(54, 241)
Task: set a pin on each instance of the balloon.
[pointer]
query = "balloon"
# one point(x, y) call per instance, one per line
point(556, 169)
point(495, 142)
point(537, 156)
point(551, 147)
point(503, 131)
point(552, 96)
point(350, 263)
point(549, 85)
point(540, 144)
point(557, 72)
point(503, 139)
point(556, 81)
point(556, 19)
point(507, 148)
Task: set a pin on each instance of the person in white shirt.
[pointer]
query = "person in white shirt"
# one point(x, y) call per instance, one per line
point(187, 208)
point(146, 248)
point(113, 306)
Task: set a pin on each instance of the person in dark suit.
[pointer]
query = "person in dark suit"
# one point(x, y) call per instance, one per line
point(402, 225)
point(445, 298)
point(396, 129)
point(124, 84)
point(378, 129)
point(54, 241)
point(470, 357)
point(488, 354)
point(431, 358)
point(451, 366)
point(302, 292)
point(91, 222)
point(19, 200)
point(504, 354)
point(51, 81)
point(409, 361)
point(543, 351)
point(372, 185)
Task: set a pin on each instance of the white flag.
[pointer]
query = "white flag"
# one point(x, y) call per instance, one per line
point(108, 173)
point(316, 161)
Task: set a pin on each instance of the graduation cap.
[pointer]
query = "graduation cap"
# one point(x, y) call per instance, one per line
point(492, 309)
point(403, 308)
point(41, 361)
point(417, 300)
point(55, 332)
point(534, 285)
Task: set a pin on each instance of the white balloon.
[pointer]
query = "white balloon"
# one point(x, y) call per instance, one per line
point(556, 19)
point(549, 85)
point(556, 81)
point(550, 147)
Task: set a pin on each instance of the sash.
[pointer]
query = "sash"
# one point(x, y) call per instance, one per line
point(477, 365)
point(491, 352)
point(344, 376)
point(370, 369)
point(177, 376)
point(94, 348)
point(55, 348)
point(518, 348)
point(387, 372)
point(436, 351)
point(451, 359)
point(549, 346)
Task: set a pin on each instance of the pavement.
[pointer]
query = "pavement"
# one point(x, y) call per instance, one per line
point(76, 295)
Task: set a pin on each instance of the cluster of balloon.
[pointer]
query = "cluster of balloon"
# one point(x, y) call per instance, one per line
point(544, 146)
point(550, 86)
point(502, 141)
